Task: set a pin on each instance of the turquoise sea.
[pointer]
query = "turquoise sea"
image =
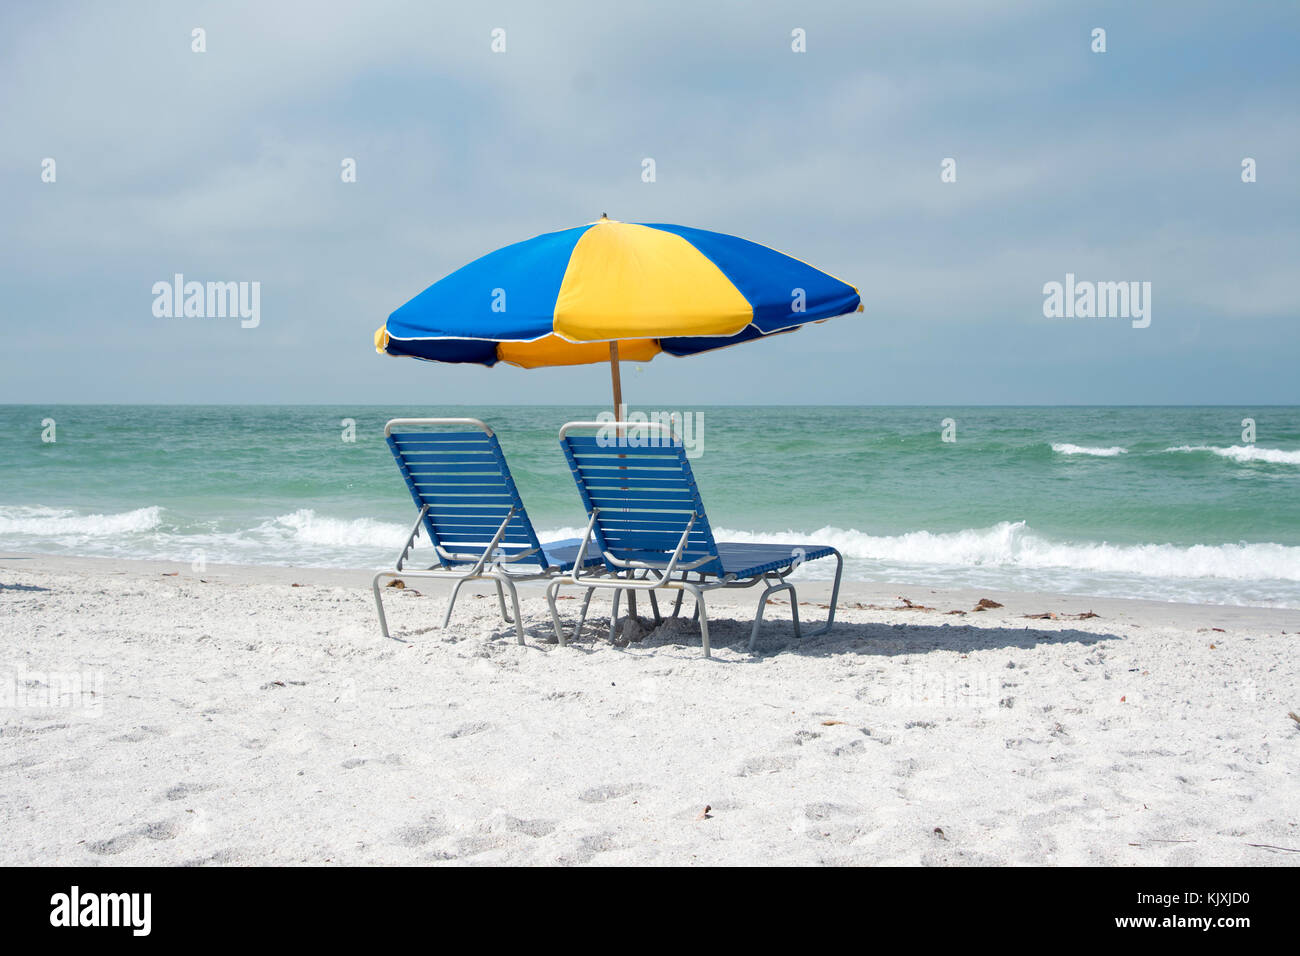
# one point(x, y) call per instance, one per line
point(1167, 503)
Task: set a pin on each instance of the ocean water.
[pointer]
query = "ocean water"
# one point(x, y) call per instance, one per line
point(1165, 503)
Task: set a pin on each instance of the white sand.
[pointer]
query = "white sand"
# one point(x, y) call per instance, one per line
point(246, 721)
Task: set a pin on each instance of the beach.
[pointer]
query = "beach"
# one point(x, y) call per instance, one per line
point(158, 714)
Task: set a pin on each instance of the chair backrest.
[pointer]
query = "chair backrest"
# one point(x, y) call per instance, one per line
point(463, 477)
point(636, 481)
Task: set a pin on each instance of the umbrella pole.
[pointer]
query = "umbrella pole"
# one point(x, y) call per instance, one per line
point(617, 382)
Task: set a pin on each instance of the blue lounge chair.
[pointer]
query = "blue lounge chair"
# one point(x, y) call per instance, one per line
point(646, 517)
point(472, 513)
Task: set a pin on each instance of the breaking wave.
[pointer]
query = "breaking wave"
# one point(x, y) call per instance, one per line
point(64, 523)
point(1244, 453)
point(1011, 544)
point(1065, 448)
point(1008, 555)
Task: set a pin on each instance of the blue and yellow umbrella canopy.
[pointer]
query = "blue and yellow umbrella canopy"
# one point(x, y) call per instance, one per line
point(561, 298)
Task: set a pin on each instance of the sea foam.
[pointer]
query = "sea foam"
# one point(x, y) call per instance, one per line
point(1014, 545)
point(1244, 453)
point(1009, 553)
point(1065, 448)
point(63, 522)
point(305, 526)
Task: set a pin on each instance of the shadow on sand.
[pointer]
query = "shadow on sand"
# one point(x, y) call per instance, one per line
point(876, 639)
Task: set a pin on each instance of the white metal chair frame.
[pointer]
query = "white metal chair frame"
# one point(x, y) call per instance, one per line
point(656, 576)
point(484, 566)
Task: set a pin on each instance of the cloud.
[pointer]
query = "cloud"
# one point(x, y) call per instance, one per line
point(225, 165)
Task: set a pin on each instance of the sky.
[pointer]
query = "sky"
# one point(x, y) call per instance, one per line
point(225, 165)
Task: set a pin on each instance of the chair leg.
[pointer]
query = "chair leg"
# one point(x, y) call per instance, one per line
point(552, 590)
point(514, 602)
point(835, 596)
point(613, 616)
point(582, 619)
point(762, 605)
point(379, 602)
point(446, 619)
point(654, 605)
point(501, 601)
point(702, 614)
point(677, 604)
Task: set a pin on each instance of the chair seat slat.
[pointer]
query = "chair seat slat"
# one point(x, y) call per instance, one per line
point(446, 448)
point(479, 468)
point(438, 500)
point(441, 438)
point(611, 458)
point(644, 494)
point(485, 463)
point(651, 520)
point(468, 488)
point(665, 484)
point(582, 445)
point(476, 525)
point(454, 520)
point(625, 505)
point(487, 514)
point(630, 471)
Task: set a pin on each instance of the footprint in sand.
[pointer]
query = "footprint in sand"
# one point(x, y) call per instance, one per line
point(958, 856)
point(607, 792)
point(183, 790)
point(589, 847)
point(756, 766)
point(474, 845)
point(353, 762)
point(829, 822)
point(137, 735)
point(472, 837)
point(599, 843)
point(220, 858)
point(469, 730)
point(113, 845)
point(415, 836)
point(162, 830)
point(29, 730)
point(826, 811)
point(532, 828)
point(906, 767)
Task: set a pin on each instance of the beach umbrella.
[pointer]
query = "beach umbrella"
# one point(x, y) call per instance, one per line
point(612, 291)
